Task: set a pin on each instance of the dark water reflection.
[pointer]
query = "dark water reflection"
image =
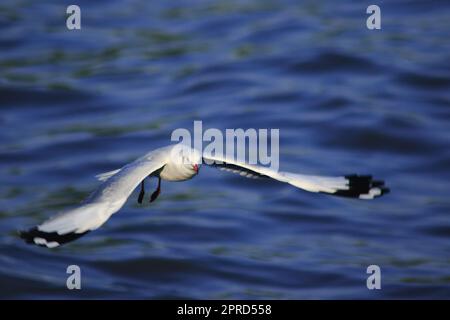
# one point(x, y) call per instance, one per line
point(74, 104)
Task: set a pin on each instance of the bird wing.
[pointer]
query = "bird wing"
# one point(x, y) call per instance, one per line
point(106, 200)
point(353, 186)
point(106, 175)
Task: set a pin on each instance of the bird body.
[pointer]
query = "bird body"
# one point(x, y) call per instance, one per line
point(177, 163)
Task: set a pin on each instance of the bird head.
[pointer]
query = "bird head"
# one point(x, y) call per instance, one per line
point(187, 157)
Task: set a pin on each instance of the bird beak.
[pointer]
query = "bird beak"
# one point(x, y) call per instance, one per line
point(195, 168)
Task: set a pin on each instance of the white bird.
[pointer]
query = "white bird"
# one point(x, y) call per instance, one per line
point(177, 163)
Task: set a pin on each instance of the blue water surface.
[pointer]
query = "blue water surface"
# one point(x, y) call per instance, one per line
point(346, 99)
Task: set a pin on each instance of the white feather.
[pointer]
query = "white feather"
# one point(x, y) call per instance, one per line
point(106, 175)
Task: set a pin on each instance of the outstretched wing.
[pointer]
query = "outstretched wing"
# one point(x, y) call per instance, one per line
point(353, 186)
point(109, 197)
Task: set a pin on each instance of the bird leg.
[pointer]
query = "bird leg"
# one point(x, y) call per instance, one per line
point(156, 193)
point(141, 194)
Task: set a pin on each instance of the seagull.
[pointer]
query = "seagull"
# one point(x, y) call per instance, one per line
point(177, 162)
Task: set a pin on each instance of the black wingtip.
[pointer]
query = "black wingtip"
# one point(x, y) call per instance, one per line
point(26, 235)
point(360, 186)
point(48, 239)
